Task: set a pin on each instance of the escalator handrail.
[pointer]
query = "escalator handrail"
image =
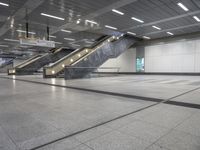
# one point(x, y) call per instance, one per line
point(27, 62)
point(77, 51)
point(34, 57)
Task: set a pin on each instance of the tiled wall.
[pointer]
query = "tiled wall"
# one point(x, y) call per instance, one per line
point(180, 56)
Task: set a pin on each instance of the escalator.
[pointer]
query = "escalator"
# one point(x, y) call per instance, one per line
point(35, 63)
point(86, 60)
point(6, 65)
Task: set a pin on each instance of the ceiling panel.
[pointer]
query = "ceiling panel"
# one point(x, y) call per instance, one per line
point(150, 11)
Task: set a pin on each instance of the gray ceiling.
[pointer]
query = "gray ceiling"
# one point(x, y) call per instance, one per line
point(162, 13)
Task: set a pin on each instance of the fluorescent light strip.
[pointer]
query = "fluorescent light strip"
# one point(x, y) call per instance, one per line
point(156, 27)
point(51, 36)
point(75, 45)
point(117, 11)
point(93, 22)
point(110, 27)
point(138, 20)
point(183, 6)
point(51, 16)
point(131, 33)
point(22, 31)
point(4, 4)
point(11, 40)
point(196, 18)
point(170, 33)
point(67, 31)
point(69, 39)
point(4, 46)
point(146, 37)
point(58, 43)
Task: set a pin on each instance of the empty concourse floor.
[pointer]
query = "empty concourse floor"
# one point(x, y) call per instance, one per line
point(142, 112)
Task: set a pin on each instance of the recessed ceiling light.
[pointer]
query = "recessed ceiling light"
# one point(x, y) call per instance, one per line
point(117, 11)
point(196, 18)
point(58, 43)
point(51, 36)
point(78, 21)
point(90, 21)
point(138, 20)
point(4, 4)
point(131, 33)
point(183, 6)
point(156, 27)
point(11, 40)
point(67, 31)
point(110, 27)
point(4, 46)
point(89, 42)
point(51, 16)
point(22, 31)
point(69, 39)
point(23, 46)
point(75, 45)
point(170, 33)
point(146, 37)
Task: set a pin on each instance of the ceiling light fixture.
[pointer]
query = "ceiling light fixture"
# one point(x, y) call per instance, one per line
point(146, 37)
point(4, 46)
point(90, 21)
point(183, 7)
point(76, 45)
point(110, 27)
point(196, 18)
point(51, 36)
point(51, 16)
point(22, 31)
point(89, 42)
point(138, 20)
point(131, 33)
point(78, 21)
point(69, 39)
point(11, 40)
point(170, 33)
point(4, 4)
point(67, 31)
point(117, 11)
point(58, 43)
point(156, 27)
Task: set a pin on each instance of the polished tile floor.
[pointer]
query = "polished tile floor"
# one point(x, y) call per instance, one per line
point(38, 115)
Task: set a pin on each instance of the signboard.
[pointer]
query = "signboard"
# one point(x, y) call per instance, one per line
point(37, 42)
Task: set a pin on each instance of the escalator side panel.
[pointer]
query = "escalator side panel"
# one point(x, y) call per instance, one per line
point(96, 59)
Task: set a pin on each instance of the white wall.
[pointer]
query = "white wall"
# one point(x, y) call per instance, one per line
point(126, 62)
point(180, 56)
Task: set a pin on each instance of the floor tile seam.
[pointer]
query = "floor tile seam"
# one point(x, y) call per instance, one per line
point(78, 132)
point(129, 114)
point(174, 128)
point(136, 137)
point(91, 90)
point(11, 139)
point(112, 130)
point(57, 129)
